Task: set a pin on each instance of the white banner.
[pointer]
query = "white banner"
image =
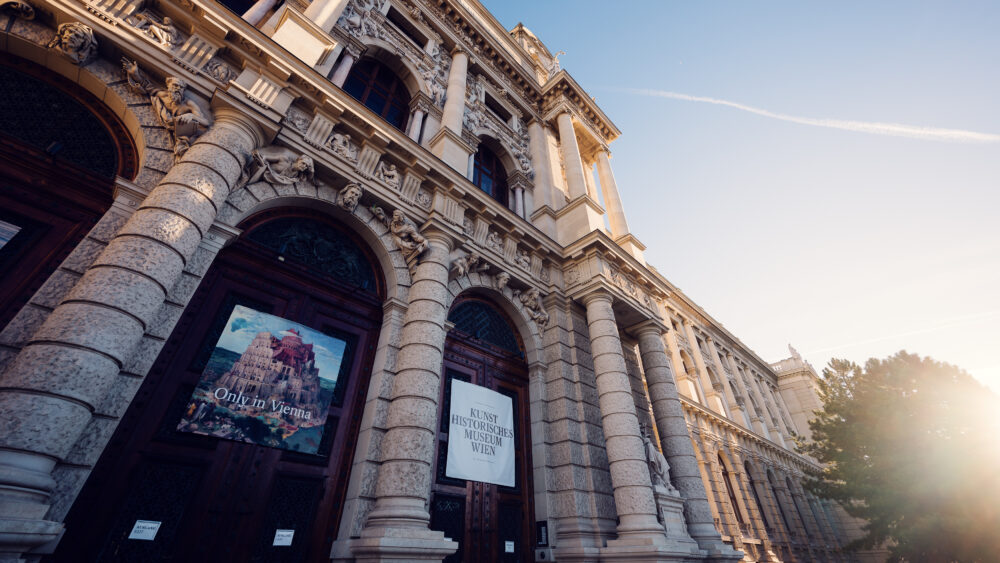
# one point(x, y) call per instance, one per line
point(480, 435)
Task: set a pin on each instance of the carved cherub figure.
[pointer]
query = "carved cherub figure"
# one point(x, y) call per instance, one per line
point(76, 41)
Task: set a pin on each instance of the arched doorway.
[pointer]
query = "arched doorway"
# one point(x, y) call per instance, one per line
point(490, 522)
point(225, 498)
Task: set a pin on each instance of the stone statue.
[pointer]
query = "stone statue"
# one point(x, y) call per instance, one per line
point(494, 241)
point(502, 278)
point(341, 145)
point(177, 111)
point(166, 34)
point(387, 173)
point(404, 231)
point(349, 197)
point(472, 262)
point(532, 302)
point(659, 469)
point(76, 41)
point(280, 165)
point(523, 259)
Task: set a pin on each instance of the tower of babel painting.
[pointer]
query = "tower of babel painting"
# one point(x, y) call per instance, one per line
point(279, 369)
point(446, 183)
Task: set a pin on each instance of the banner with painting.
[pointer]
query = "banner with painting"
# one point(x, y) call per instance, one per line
point(480, 435)
point(269, 381)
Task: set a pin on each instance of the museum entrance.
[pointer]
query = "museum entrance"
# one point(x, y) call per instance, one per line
point(490, 522)
point(238, 444)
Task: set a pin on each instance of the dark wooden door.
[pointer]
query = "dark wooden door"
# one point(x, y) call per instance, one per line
point(489, 522)
point(222, 500)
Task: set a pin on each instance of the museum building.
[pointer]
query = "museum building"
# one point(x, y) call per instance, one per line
point(292, 281)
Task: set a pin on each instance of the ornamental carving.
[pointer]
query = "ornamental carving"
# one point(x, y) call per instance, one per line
point(472, 262)
point(297, 119)
point(165, 33)
point(341, 145)
point(659, 469)
point(531, 300)
point(280, 166)
point(177, 111)
point(220, 71)
point(75, 41)
point(17, 9)
point(523, 259)
point(404, 232)
point(387, 174)
point(348, 198)
point(501, 280)
point(494, 242)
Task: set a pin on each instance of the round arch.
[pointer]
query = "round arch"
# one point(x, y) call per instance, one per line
point(384, 53)
point(484, 286)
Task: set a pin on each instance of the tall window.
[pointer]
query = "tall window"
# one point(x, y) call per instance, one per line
point(378, 87)
point(731, 491)
point(778, 503)
point(490, 175)
point(756, 497)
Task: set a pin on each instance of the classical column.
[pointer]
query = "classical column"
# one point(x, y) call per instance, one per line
point(519, 201)
point(325, 13)
point(540, 162)
point(571, 156)
point(712, 393)
point(676, 440)
point(454, 103)
point(343, 69)
point(626, 454)
point(256, 13)
point(612, 201)
point(48, 392)
point(404, 478)
point(416, 120)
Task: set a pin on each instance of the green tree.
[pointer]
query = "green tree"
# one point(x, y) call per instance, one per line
point(912, 446)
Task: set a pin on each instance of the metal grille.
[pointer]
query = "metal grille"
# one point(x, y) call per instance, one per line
point(291, 507)
point(40, 115)
point(482, 322)
point(318, 247)
point(160, 492)
point(448, 516)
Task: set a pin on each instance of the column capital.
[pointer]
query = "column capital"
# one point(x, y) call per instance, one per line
point(647, 327)
point(597, 295)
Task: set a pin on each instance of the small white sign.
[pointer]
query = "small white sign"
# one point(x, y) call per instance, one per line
point(283, 537)
point(481, 435)
point(508, 547)
point(144, 530)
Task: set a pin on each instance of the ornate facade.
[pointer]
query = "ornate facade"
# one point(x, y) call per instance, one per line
point(416, 180)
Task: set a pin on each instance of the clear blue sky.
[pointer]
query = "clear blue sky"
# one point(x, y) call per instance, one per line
point(843, 243)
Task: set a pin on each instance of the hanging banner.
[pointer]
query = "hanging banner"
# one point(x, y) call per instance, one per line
point(480, 435)
point(269, 381)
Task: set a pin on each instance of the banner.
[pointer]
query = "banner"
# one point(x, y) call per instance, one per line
point(269, 381)
point(480, 435)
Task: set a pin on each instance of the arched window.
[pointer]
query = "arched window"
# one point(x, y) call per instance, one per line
point(756, 497)
point(732, 493)
point(378, 87)
point(798, 510)
point(778, 503)
point(489, 174)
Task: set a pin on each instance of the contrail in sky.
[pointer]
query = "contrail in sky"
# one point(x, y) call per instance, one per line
point(874, 127)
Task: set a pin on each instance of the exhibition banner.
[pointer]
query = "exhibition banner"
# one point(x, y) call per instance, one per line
point(480, 435)
point(269, 381)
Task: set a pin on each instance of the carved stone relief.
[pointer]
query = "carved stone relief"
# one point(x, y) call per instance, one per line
point(280, 166)
point(404, 231)
point(387, 174)
point(177, 111)
point(220, 71)
point(349, 196)
point(531, 300)
point(341, 145)
point(165, 33)
point(75, 41)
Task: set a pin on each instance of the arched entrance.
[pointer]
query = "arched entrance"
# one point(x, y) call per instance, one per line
point(489, 522)
point(225, 498)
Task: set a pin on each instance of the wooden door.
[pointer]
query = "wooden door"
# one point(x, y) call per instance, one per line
point(223, 500)
point(489, 522)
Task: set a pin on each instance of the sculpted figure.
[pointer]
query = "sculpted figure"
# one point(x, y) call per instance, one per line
point(165, 33)
point(76, 41)
point(493, 241)
point(471, 262)
point(532, 302)
point(349, 197)
point(404, 231)
point(502, 279)
point(280, 165)
point(388, 174)
point(177, 112)
point(659, 469)
point(341, 145)
point(523, 259)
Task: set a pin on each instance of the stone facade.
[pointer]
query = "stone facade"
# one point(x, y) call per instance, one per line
point(231, 117)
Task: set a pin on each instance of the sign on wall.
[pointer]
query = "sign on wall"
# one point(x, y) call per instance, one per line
point(481, 435)
point(269, 381)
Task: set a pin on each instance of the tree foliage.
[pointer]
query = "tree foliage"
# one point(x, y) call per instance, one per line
point(912, 446)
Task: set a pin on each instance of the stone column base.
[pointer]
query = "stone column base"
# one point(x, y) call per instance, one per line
point(671, 507)
point(401, 545)
point(18, 536)
point(577, 554)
